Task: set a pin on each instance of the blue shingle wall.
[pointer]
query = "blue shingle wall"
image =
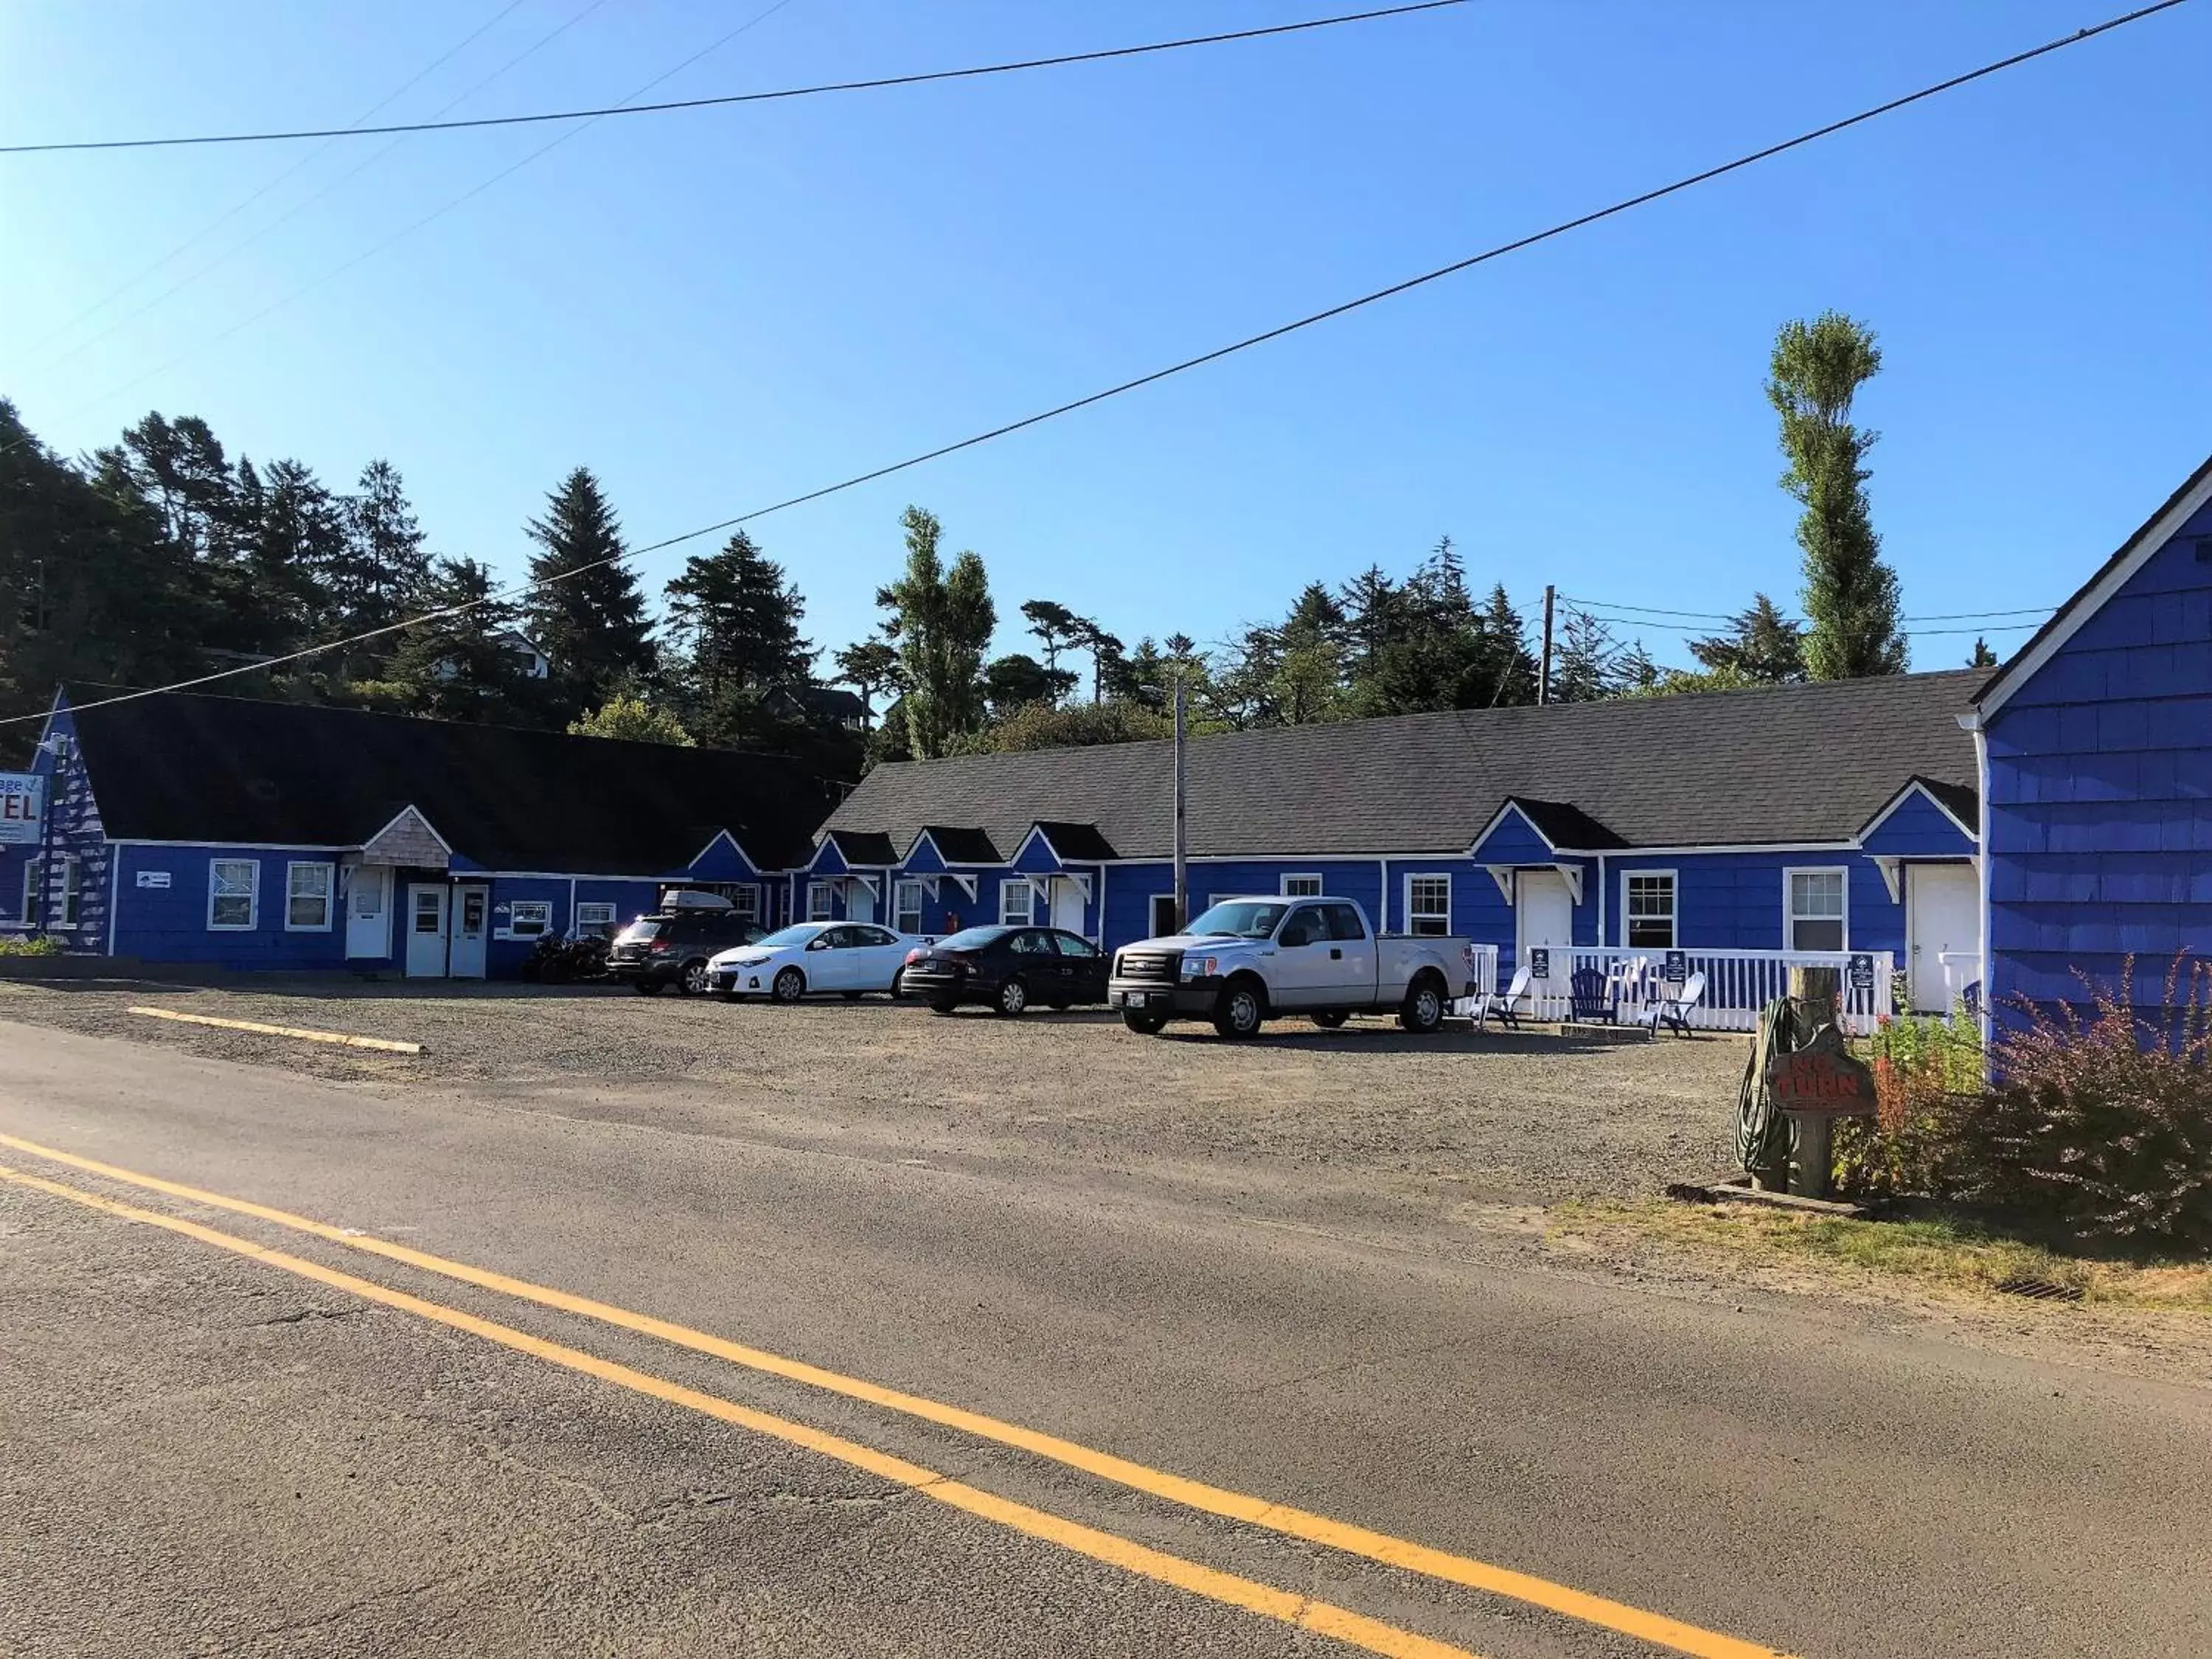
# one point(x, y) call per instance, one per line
point(73, 831)
point(1919, 828)
point(1513, 841)
point(170, 924)
point(2100, 791)
point(1736, 901)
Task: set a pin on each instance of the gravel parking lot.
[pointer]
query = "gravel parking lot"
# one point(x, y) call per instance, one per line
point(1497, 1119)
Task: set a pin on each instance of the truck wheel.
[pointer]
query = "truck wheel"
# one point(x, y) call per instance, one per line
point(1330, 1019)
point(1240, 1010)
point(1146, 1024)
point(1423, 1011)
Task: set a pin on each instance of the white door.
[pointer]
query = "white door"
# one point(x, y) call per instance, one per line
point(1544, 919)
point(1943, 933)
point(472, 929)
point(426, 931)
point(369, 911)
point(1066, 905)
point(859, 903)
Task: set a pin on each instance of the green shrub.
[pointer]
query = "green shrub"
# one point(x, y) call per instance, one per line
point(16, 944)
point(1928, 1079)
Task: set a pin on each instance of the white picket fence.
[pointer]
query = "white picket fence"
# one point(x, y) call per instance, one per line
point(1739, 984)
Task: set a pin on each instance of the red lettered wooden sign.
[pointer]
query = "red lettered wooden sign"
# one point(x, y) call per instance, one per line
point(1820, 1079)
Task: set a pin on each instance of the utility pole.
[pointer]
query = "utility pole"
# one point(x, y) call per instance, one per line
point(1544, 669)
point(1182, 858)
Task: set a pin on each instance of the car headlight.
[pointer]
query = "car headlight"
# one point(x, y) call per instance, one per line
point(1200, 967)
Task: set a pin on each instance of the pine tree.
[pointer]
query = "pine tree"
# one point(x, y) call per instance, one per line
point(1055, 626)
point(1763, 646)
point(870, 667)
point(454, 664)
point(383, 558)
point(290, 532)
point(1584, 666)
point(1850, 595)
point(590, 621)
point(733, 621)
point(1982, 657)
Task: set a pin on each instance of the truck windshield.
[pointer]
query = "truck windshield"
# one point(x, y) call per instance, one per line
point(1244, 918)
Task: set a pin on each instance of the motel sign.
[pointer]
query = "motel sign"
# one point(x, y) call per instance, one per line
point(21, 795)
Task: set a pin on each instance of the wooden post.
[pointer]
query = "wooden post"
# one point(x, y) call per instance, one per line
point(1814, 994)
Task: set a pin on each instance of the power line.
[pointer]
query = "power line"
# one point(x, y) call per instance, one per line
point(1911, 633)
point(2037, 611)
point(237, 207)
point(301, 205)
point(1379, 294)
point(972, 72)
point(436, 214)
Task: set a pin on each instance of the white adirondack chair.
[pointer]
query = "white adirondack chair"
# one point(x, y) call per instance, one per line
point(1673, 1012)
point(1506, 1005)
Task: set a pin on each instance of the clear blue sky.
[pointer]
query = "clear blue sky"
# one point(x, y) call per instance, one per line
point(716, 310)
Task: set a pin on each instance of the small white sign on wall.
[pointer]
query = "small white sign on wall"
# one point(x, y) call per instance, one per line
point(153, 877)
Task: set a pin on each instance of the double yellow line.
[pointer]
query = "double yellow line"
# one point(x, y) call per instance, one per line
point(1249, 1595)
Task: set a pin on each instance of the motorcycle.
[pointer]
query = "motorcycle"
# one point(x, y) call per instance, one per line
point(557, 959)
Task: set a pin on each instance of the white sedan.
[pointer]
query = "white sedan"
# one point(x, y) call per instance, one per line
point(813, 958)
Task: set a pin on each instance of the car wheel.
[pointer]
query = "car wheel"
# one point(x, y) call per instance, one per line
point(691, 978)
point(898, 986)
point(943, 1007)
point(1331, 1019)
point(1424, 1008)
point(1014, 998)
point(1146, 1024)
point(1241, 1009)
point(789, 985)
point(648, 987)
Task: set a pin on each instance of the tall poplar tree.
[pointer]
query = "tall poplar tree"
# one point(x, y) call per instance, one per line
point(941, 619)
point(590, 621)
point(1850, 595)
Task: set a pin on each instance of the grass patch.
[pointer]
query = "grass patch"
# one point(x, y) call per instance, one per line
point(1956, 1251)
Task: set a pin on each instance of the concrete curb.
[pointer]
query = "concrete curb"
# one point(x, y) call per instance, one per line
point(342, 1039)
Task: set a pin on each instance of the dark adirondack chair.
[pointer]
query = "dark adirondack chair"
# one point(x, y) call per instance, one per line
point(1593, 997)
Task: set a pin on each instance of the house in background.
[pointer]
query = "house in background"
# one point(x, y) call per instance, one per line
point(246, 833)
point(1811, 819)
point(821, 705)
point(2096, 740)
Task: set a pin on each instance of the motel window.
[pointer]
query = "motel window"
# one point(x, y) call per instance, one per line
point(1428, 905)
point(1164, 915)
point(594, 913)
point(234, 895)
point(744, 899)
point(30, 910)
point(530, 918)
point(1648, 903)
point(1814, 920)
point(820, 904)
point(307, 897)
point(1304, 886)
point(1017, 903)
point(906, 906)
point(72, 893)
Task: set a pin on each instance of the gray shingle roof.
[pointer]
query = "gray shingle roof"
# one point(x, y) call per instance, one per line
point(1781, 765)
point(959, 845)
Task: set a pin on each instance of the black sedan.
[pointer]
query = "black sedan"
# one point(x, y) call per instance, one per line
point(1007, 969)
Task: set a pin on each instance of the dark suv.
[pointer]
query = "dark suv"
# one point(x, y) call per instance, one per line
point(671, 947)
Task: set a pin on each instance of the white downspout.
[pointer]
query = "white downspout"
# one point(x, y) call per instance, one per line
point(1601, 940)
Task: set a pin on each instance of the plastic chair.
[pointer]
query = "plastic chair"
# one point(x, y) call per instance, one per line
point(1505, 1004)
point(1593, 996)
point(1672, 1010)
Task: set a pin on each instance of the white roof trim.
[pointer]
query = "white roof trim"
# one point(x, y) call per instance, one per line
point(1916, 786)
point(2076, 614)
point(1498, 817)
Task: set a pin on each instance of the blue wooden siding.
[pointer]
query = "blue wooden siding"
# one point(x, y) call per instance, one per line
point(1919, 828)
point(1737, 900)
point(1035, 856)
point(1514, 840)
point(2100, 786)
point(73, 831)
point(170, 924)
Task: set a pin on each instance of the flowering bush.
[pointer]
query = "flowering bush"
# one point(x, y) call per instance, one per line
point(16, 944)
point(2103, 1120)
point(1928, 1082)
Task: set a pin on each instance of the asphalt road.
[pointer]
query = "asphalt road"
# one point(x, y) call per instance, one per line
point(206, 1450)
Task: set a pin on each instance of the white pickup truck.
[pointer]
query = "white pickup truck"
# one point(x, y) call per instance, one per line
point(1247, 960)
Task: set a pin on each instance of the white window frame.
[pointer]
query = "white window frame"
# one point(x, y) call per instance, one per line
point(821, 902)
point(900, 891)
point(1318, 889)
point(541, 913)
point(329, 895)
point(1790, 917)
point(69, 904)
point(1009, 916)
point(252, 896)
point(31, 866)
point(1415, 919)
point(1152, 914)
point(745, 900)
point(596, 913)
point(1628, 917)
